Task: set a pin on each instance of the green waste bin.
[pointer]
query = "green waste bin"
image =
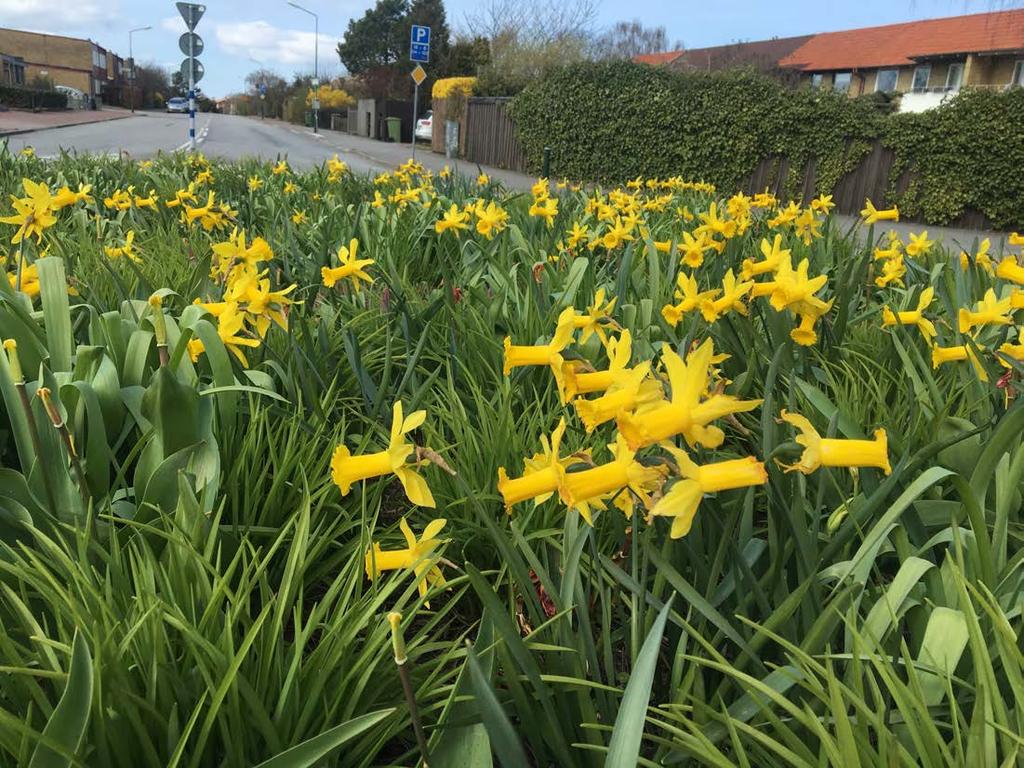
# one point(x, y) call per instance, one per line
point(395, 129)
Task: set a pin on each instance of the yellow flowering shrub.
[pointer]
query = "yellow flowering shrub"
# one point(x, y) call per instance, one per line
point(446, 85)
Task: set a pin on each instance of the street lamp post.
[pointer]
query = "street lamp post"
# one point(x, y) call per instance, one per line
point(316, 53)
point(131, 55)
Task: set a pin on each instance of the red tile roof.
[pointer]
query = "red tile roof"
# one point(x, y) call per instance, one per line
point(657, 59)
point(765, 53)
point(901, 44)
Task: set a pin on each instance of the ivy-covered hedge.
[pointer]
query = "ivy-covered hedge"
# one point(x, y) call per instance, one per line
point(611, 121)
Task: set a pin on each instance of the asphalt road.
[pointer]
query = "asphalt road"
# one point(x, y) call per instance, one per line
point(224, 136)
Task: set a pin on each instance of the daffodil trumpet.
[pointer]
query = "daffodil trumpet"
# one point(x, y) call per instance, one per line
point(835, 452)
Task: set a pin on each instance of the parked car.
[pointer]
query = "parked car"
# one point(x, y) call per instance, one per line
point(76, 98)
point(425, 126)
point(177, 104)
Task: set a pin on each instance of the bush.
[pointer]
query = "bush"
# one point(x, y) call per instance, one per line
point(30, 98)
point(447, 85)
point(610, 121)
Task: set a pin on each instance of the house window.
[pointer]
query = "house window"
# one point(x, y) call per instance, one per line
point(841, 82)
point(886, 80)
point(954, 76)
point(816, 78)
point(1018, 74)
point(921, 75)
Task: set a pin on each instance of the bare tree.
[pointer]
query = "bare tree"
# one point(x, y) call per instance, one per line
point(631, 38)
point(533, 22)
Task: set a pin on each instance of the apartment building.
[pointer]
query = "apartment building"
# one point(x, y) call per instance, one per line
point(924, 61)
point(70, 61)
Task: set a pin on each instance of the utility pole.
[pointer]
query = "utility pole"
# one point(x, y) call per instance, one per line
point(131, 57)
point(316, 54)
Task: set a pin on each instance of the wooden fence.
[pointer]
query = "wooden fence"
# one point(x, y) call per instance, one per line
point(488, 137)
point(491, 136)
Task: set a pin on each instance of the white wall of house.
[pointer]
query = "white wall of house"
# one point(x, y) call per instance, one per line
point(919, 101)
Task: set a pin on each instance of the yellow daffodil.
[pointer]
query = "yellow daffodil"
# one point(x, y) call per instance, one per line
point(822, 204)
point(582, 490)
point(299, 217)
point(255, 183)
point(454, 220)
point(289, 188)
point(517, 356)
point(983, 259)
point(893, 271)
point(943, 355)
point(182, 196)
point(350, 267)
point(483, 179)
point(146, 202)
point(688, 413)
point(731, 299)
point(773, 254)
point(582, 382)
point(204, 177)
point(689, 296)
point(806, 226)
point(833, 452)
point(913, 317)
point(1013, 351)
point(120, 200)
point(1009, 269)
point(919, 244)
point(490, 219)
point(234, 251)
point(231, 323)
point(545, 208)
point(684, 497)
point(990, 311)
point(33, 213)
point(65, 197)
point(578, 234)
point(870, 214)
point(280, 168)
point(804, 333)
point(124, 250)
point(542, 476)
point(417, 556)
point(713, 224)
point(29, 279)
point(694, 248)
point(594, 320)
point(617, 233)
point(347, 469)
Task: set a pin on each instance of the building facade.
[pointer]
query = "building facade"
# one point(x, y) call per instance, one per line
point(68, 61)
point(923, 61)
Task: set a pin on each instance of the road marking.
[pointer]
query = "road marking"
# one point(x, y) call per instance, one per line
point(200, 138)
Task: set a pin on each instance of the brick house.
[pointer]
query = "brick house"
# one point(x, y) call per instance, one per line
point(69, 61)
point(923, 60)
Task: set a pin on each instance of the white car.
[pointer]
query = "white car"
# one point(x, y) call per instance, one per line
point(177, 104)
point(425, 126)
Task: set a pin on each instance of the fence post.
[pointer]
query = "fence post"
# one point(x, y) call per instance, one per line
point(546, 171)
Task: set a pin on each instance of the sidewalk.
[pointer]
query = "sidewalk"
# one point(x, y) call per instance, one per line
point(16, 121)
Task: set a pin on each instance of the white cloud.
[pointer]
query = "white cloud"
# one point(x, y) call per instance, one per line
point(85, 11)
point(265, 42)
point(174, 24)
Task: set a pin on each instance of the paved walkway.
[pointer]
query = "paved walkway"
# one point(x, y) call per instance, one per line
point(17, 121)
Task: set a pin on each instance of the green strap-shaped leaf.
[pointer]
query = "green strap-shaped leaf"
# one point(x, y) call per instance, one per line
point(311, 750)
point(53, 290)
point(624, 749)
point(63, 733)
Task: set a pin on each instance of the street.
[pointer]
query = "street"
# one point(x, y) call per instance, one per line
point(234, 137)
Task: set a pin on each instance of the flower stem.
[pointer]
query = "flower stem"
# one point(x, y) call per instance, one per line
point(402, 662)
point(61, 426)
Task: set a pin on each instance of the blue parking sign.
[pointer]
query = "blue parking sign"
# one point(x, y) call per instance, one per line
point(419, 44)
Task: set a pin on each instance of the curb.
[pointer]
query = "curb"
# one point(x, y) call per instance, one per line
point(20, 131)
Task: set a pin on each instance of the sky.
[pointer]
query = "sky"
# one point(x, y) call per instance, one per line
point(238, 33)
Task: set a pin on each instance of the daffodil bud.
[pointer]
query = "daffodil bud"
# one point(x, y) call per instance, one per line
point(11, 347)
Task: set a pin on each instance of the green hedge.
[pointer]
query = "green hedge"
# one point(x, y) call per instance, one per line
point(611, 121)
point(30, 98)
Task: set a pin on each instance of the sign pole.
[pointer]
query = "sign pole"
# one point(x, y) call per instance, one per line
point(415, 114)
point(191, 87)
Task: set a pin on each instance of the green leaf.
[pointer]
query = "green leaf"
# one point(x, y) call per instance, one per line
point(624, 749)
point(62, 736)
point(53, 290)
point(503, 736)
point(312, 750)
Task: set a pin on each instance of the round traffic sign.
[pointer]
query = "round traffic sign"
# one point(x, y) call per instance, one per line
point(190, 38)
point(197, 70)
